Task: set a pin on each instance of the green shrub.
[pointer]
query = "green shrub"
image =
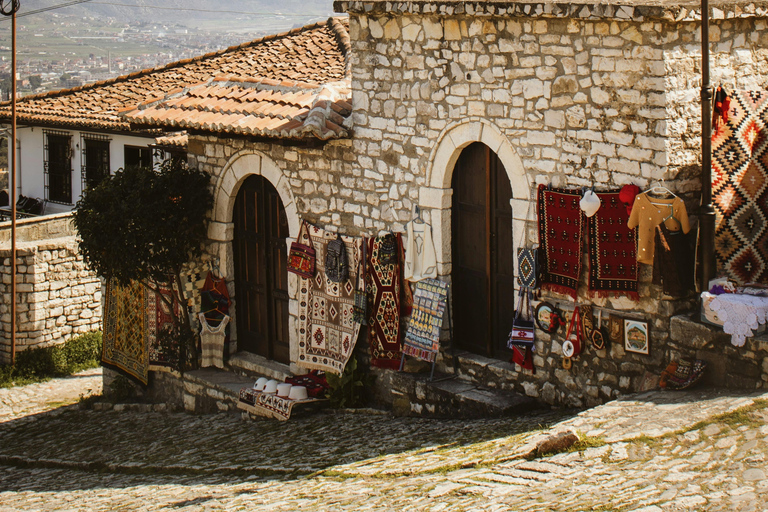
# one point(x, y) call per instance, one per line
point(40, 364)
point(348, 389)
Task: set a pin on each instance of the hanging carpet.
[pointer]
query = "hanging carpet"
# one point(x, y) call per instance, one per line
point(163, 352)
point(327, 332)
point(383, 286)
point(422, 338)
point(612, 249)
point(560, 233)
point(125, 330)
point(740, 188)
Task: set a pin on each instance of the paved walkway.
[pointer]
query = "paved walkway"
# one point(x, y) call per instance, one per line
point(701, 450)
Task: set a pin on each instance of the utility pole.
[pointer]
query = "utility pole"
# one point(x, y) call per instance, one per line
point(10, 8)
point(707, 210)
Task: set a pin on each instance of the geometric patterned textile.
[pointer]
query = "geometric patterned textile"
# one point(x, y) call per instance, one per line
point(612, 249)
point(422, 339)
point(125, 330)
point(159, 318)
point(740, 188)
point(268, 404)
point(383, 285)
point(560, 233)
point(327, 331)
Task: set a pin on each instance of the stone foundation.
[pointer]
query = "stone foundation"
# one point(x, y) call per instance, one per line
point(57, 296)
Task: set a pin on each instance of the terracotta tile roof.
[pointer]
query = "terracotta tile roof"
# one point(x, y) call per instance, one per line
point(315, 53)
point(258, 107)
point(172, 140)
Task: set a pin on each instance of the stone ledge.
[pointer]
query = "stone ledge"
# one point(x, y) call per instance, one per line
point(627, 10)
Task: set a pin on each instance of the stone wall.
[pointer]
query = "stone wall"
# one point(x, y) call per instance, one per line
point(595, 95)
point(57, 296)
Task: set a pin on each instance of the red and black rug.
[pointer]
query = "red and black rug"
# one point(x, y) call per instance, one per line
point(560, 233)
point(612, 249)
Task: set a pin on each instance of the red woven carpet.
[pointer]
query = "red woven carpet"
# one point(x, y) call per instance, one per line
point(383, 285)
point(612, 249)
point(560, 234)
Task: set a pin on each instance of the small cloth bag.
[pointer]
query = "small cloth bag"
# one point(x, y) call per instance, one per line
point(528, 267)
point(336, 261)
point(301, 257)
point(523, 333)
point(388, 250)
point(360, 307)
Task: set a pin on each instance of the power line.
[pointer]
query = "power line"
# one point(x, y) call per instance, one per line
point(49, 8)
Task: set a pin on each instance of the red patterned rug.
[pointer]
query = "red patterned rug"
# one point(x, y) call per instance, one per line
point(612, 249)
point(560, 234)
point(327, 332)
point(383, 285)
point(740, 188)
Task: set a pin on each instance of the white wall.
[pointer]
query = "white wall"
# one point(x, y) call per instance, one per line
point(30, 161)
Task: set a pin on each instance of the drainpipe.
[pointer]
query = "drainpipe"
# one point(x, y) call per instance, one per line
point(706, 211)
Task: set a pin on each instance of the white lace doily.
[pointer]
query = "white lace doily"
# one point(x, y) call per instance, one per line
point(741, 314)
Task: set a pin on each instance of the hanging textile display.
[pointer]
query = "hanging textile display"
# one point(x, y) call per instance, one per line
point(327, 330)
point(675, 259)
point(612, 249)
point(420, 258)
point(560, 232)
point(383, 285)
point(125, 330)
point(739, 191)
point(163, 351)
point(422, 337)
point(212, 342)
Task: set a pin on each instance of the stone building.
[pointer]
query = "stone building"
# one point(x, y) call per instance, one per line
point(518, 94)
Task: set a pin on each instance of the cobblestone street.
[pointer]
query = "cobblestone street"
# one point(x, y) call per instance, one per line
point(699, 450)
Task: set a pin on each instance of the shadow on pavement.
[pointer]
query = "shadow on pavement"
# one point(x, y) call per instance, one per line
point(71, 448)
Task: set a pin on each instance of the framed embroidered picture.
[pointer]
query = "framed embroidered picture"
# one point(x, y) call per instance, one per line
point(636, 336)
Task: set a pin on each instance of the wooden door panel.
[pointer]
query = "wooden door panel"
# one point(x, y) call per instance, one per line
point(483, 252)
point(261, 275)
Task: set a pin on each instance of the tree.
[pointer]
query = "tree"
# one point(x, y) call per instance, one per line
point(144, 224)
point(35, 81)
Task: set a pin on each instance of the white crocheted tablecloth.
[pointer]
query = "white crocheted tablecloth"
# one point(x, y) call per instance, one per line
point(741, 314)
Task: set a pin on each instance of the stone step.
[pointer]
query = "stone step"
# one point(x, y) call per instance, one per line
point(449, 396)
point(255, 366)
point(209, 390)
point(727, 366)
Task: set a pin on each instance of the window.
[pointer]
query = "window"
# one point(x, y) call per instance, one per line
point(58, 166)
point(95, 163)
point(136, 156)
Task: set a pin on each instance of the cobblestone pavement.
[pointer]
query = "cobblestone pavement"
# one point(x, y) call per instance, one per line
point(698, 450)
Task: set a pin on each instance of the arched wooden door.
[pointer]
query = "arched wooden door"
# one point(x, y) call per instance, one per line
point(483, 252)
point(261, 276)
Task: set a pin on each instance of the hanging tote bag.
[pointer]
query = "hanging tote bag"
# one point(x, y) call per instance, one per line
point(528, 267)
point(360, 307)
point(301, 257)
point(523, 333)
point(336, 261)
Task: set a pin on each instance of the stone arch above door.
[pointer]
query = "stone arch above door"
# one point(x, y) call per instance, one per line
point(236, 170)
point(442, 160)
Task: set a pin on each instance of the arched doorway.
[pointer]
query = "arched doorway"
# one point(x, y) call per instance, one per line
point(261, 277)
point(483, 252)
